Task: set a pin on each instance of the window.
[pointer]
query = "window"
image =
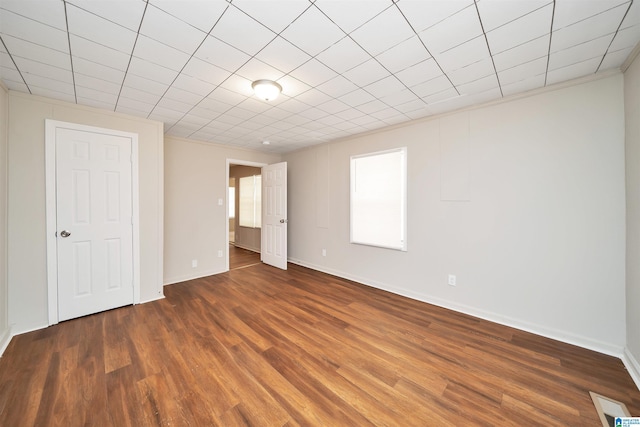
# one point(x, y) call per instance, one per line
point(379, 199)
point(250, 209)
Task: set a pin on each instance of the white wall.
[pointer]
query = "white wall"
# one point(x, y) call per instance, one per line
point(195, 225)
point(5, 330)
point(523, 201)
point(632, 125)
point(26, 201)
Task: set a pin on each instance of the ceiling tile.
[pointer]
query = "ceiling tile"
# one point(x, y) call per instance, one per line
point(479, 85)
point(227, 96)
point(596, 26)
point(534, 49)
point(387, 86)
point(338, 86)
point(495, 13)
point(44, 11)
point(46, 84)
point(189, 99)
point(275, 14)
point(257, 70)
point(36, 52)
point(443, 95)
point(349, 15)
point(292, 86)
point(568, 12)
point(383, 32)
point(175, 105)
point(312, 32)
point(400, 97)
point(182, 36)
point(51, 92)
point(294, 106)
point(333, 107)
point(522, 30)
point(144, 84)
point(107, 100)
point(343, 55)
point(523, 71)
point(419, 73)
point(88, 68)
point(626, 38)
point(425, 14)
point(471, 72)
point(573, 71)
point(282, 55)
point(313, 97)
point(30, 68)
point(150, 99)
point(133, 106)
point(314, 113)
point(100, 30)
point(581, 52)
point(242, 32)
point(453, 31)
point(357, 97)
point(432, 86)
point(32, 31)
point(204, 71)
point(372, 106)
point(313, 73)
point(462, 55)
point(89, 82)
point(99, 54)
point(127, 13)
point(615, 59)
point(221, 54)
point(524, 85)
point(193, 85)
point(238, 85)
point(366, 73)
point(160, 54)
point(154, 72)
point(201, 14)
point(403, 55)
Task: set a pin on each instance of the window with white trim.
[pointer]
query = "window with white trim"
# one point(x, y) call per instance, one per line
point(250, 201)
point(379, 199)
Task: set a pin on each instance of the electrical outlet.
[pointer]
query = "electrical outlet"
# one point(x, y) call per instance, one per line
point(452, 280)
point(324, 252)
point(194, 263)
point(220, 254)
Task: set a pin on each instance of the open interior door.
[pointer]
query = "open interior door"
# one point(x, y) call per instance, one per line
point(274, 215)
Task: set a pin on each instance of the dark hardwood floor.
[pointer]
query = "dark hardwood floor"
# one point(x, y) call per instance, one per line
point(241, 258)
point(262, 347)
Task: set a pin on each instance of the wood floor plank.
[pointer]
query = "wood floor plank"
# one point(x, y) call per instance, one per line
point(258, 346)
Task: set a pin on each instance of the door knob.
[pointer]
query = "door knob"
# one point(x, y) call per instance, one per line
point(282, 221)
point(65, 233)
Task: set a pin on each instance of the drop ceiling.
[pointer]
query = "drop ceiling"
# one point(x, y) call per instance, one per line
point(345, 66)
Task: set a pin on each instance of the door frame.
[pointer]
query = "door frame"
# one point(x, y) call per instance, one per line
point(51, 208)
point(226, 197)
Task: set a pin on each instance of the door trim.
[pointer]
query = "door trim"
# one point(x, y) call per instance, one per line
point(50, 190)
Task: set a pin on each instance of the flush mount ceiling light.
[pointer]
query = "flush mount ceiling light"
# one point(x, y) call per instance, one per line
point(266, 89)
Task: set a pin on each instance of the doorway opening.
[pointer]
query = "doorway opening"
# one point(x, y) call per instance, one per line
point(244, 208)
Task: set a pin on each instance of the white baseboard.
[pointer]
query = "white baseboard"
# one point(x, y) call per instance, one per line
point(556, 334)
point(632, 365)
point(152, 299)
point(198, 275)
point(5, 339)
point(237, 245)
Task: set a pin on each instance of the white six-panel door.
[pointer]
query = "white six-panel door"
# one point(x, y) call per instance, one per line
point(274, 215)
point(94, 219)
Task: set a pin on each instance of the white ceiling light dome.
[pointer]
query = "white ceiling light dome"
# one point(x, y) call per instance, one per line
point(266, 89)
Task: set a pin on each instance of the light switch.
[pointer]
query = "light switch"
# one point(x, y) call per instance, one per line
point(220, 202)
